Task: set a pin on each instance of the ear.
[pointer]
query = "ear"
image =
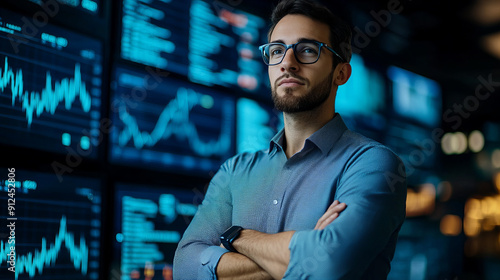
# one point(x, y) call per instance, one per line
point(343, 74)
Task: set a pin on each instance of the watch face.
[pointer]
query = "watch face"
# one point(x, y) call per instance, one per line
point(233, 234)
point(229, 236)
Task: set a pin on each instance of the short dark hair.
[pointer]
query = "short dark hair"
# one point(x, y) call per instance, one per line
point(340, 31)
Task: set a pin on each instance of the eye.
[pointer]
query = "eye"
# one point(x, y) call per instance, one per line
point(307, 49)
point(276, 50)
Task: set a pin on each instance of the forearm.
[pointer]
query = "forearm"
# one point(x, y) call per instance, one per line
point(269, 251)
point(237, 266)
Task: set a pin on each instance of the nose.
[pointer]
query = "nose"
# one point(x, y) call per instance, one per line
point(289, 62)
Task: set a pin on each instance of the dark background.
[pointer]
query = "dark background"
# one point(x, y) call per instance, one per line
point(455, 44)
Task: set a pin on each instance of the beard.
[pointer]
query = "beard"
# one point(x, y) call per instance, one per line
point(307, 102)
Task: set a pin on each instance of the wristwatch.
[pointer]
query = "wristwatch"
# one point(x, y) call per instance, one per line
point(228, 237)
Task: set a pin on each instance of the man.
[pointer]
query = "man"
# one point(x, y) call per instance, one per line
point(278, 210)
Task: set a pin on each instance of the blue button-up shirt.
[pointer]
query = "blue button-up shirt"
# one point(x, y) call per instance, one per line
point(267, 192)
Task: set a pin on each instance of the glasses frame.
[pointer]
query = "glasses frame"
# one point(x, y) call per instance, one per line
point(293, 46)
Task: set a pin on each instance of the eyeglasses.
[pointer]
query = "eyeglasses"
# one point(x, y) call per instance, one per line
point(305, 51)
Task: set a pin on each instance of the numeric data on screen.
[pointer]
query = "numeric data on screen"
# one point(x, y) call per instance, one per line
point(209, 42)
point(50, 87)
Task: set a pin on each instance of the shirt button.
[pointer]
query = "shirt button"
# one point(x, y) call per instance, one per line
point(275, 201)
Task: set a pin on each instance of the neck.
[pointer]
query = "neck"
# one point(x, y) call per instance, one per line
point(299, 126)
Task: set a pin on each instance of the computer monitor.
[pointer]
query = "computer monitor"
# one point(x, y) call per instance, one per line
point(87, 6)
point(364, 93)
point(50, 87)
point(55, 226)
point(210, 42)
point(169, 123)
point(257, 123)
point(149, 222)
point(415, 98)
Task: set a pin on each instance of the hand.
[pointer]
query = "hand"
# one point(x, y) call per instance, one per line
point(331, 214)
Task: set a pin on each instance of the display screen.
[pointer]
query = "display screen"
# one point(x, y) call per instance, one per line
point(169, 123)
point(149, 222)
point(52, 6)
point(256, 124)
point(50, 87)
point(416, 108)
point(207, 41)
point(364, 92)
point(415, 97)
point(55, 225)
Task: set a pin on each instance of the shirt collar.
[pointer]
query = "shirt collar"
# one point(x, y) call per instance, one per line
point(324, 138)
point(276, 142)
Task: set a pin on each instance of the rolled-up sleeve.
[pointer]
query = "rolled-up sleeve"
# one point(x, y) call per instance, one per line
point(198, 252)
point(373, 185)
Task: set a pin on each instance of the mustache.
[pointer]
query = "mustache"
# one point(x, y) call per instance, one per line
point(290, 75)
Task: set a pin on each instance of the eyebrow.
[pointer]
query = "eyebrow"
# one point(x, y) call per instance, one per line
point(299, 40)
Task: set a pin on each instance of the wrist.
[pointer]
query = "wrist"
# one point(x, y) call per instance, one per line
point(241, 239)
point(246, 239)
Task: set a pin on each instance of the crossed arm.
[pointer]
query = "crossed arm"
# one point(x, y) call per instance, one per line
point(265, 256)
point(364, 235)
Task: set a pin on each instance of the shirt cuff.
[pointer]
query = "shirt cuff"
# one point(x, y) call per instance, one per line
point(209, 259)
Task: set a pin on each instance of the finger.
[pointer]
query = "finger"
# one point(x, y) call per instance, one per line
point(320, 221)
point(321, 224)
point(327, 221)
point(341, 207)
point(328, 212)
point(330, 215)
point(335, 203)
point(335, 209)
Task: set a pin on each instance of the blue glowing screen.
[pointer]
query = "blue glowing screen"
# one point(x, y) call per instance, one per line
point(50, 87)
point(415, 97)
point(207, 41)
point(364, 92)
point(149, 222)
point(52, 7)
point(256, 124)
point(170, 123)
point(58, 227)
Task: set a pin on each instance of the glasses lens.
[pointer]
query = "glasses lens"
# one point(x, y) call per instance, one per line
point(273, 53)
point(307, 52)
